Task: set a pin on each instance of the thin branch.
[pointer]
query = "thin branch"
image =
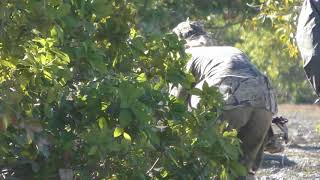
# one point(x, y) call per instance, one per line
point(154, 164)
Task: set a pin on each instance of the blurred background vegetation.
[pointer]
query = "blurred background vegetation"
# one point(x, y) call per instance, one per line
point(83, 86)
point(264, 29)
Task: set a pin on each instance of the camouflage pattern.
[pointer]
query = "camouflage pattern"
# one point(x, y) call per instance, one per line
point(229, 69)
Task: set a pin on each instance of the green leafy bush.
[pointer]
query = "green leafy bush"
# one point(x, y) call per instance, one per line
point(84, 94)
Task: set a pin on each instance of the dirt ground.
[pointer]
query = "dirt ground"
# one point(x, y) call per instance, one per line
point(301, 158)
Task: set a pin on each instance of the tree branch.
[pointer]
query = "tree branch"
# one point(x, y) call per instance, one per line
point(154, 164)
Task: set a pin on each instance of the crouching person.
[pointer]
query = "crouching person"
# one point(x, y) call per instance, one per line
point(249, 98)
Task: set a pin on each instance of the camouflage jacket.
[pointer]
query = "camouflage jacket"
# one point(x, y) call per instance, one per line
point(229, 69)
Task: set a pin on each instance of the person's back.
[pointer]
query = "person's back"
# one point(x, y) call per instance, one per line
point(221, 61)
point(230, 70)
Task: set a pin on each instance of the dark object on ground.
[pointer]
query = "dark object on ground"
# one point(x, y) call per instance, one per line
point(308, 40)
point(274, 142)
point(281, 123)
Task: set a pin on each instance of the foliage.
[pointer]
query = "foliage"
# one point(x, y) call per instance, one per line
point(83, 92)
point(274, 61)
point(281, 17)
point(266, 34)
point(84, 86)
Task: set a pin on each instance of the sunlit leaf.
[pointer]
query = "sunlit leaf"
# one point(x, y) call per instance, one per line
point(142, 77)
point(117, 132)
point(232, 133)
point(127, 136)
point(102, 122)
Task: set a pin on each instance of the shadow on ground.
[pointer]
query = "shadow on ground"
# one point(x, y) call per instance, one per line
point(275, 160)
point(305, 148)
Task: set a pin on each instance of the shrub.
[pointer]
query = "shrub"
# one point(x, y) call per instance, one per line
point(84, 94)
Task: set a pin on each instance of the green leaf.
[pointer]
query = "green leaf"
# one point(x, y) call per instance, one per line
point(97, 62)
point(142, 77)
point(117, 132)
point(125, 117)
point(4, 122)
point(7, 63)
point(93, 150)
point(102, 122)
point(138, 43)
point(140, 113)
point(154, 138)
point(205, 86)
point(127, 136)
point(53, 32)
point(164, 173)
point(224, 174)
point(238, 168)
point(178, 107)
point(63, 56)
point(102, 8)
point(64, 9)
point(196, 91)
point(232, 133)
point(40, 40)
point(29, 136)
point(129, 94)
point(173, 159)
point(57, 33)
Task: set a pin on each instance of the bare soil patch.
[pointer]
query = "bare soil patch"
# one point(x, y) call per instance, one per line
point(301, 158)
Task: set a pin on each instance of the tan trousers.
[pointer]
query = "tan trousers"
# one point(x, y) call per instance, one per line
point(252, 125)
